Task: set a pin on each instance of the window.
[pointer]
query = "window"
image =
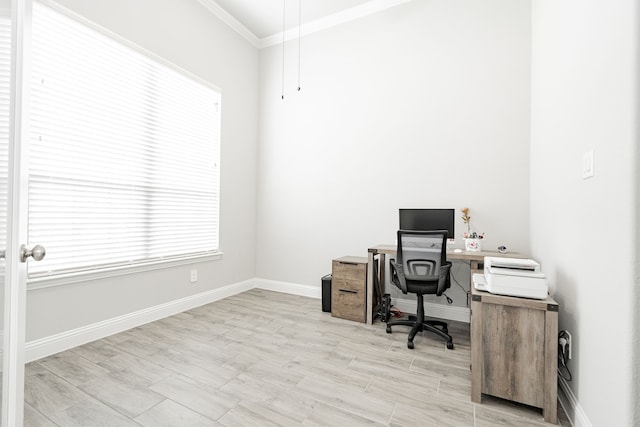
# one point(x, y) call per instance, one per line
point(124, 152)
point(5, 78)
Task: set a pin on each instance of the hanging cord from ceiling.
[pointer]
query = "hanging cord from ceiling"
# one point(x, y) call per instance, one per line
point(299, 38)
point(284, 40)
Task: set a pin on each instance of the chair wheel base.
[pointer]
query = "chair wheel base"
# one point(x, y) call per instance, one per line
point(410, 344)
point(389, 329)
point(450, 345)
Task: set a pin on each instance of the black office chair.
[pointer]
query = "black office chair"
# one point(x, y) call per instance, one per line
point(421, 268)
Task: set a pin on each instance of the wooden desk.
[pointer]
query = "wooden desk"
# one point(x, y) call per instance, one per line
point(380, 251)
point(514, 341)
point(514, 350)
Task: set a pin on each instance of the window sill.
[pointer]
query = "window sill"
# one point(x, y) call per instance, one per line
point(105, 273)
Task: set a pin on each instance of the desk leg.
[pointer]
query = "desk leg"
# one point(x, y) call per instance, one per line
point(550, 409)
point(370, 280)
point(476, 351)
point(381, 278)
point(373, 275)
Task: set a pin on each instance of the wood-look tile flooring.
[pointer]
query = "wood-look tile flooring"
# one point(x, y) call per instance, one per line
point(263, 359)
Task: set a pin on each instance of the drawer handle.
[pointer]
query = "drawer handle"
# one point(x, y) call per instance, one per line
point(348, 291)
point(348, 263)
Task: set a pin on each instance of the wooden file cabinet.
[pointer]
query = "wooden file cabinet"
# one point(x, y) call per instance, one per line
point(349, 288)
point(514, 350)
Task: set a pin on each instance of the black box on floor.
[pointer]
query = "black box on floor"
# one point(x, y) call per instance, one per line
point(326, 293)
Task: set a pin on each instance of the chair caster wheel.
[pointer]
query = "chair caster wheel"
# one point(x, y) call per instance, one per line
point(410, 344)
point(449, 345)
point(388, 329)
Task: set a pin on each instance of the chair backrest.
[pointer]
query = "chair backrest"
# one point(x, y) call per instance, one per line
point(422, 253)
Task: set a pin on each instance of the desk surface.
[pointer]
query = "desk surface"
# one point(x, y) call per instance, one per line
point(451, 254)
point(475, 258)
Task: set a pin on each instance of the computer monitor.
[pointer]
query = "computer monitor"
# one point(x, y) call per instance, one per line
point(428, 219)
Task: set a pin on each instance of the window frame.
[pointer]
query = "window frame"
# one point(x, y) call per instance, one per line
point(109, 271)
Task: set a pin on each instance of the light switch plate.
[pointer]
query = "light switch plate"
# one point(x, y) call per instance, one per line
point(587, 164)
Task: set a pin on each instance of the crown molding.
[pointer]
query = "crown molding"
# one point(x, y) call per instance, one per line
point(333, 20)
point(232, 22)
point(328, 21)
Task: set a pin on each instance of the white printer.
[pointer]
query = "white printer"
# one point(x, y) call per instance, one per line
point(515, 277)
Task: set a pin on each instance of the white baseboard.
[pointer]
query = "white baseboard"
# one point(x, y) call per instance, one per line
point(289, 288)
point(47, 346)
point(569, 402)
point(53, 344)
point(440, 311)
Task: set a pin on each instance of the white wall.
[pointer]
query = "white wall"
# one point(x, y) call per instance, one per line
point(188, 35)
point(422, 105)
point(585, 97)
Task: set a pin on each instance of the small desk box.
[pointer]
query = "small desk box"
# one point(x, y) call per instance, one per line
point(349, 288)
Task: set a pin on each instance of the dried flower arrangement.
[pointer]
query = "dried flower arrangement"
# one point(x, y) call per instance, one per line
point(467, 220)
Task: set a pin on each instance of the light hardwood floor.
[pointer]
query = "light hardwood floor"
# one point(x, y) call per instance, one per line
point(263, 359)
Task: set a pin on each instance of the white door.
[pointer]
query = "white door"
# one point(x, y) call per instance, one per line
point(13, 197)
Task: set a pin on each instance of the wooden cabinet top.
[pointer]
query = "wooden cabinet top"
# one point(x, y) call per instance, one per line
point(352, 260)
point(547, 304)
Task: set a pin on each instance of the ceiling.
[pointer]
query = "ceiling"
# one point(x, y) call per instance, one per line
point(261, 21)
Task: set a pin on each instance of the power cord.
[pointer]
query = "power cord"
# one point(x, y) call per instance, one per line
point(449, 300)
point(456, 281)
point(563, 356)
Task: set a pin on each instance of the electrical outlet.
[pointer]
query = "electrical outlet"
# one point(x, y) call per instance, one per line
point(194, 275)
point(564, 342)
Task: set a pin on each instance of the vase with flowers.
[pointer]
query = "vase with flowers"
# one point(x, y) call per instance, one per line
point(472, 239)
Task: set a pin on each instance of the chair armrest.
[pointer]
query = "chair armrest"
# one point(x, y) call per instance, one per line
point(444, 280)
point(397, 275)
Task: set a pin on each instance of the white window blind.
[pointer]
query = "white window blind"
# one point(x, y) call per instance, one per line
point(5, 75)
point(124, 153)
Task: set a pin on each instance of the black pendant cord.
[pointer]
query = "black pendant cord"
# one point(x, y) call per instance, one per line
point(283, 23)
point(299, 38)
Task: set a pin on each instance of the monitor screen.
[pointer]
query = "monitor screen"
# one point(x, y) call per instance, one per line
point(428, 219)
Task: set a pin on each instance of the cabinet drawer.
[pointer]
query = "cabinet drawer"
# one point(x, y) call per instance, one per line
point(348, 304)
point(349, 272)
point(351, 285)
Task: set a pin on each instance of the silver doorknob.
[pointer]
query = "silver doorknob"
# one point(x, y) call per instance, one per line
point(38, 252)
